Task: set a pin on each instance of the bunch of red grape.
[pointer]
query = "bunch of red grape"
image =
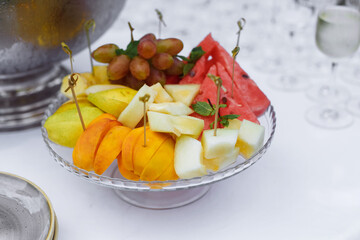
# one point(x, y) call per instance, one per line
point(150, 61)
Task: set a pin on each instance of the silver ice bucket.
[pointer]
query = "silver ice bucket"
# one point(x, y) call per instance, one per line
point(30, 36)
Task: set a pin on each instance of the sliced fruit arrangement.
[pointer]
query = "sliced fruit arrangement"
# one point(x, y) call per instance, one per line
point(178, 140)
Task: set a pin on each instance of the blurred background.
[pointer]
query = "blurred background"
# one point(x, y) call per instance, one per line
point(281, 42)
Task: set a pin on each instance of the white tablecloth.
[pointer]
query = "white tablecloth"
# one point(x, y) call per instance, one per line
point(307, 186)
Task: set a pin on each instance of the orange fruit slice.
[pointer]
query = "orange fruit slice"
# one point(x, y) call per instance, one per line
point(109, 148)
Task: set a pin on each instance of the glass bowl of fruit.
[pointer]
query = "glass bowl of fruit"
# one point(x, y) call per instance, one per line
point(197, 130)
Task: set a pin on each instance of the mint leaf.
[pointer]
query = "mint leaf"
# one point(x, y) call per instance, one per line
point(187, 68)
point(202, 108)
point(120, 51)
point(131, 49)
point(196, 53)
point(224, 122)
point(231, 116)
point(208, 109)
point(183, 58)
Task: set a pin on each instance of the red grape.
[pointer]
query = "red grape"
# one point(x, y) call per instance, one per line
point(176, 68)
point(118, 67)
point(133, 83)
point(139, 68)
point(162, 61)
point(170, 45)
point(105, 53)
point(149, 36)
point(146, 48)
point(155, 77)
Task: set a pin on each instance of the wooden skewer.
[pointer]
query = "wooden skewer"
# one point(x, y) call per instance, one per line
point(241, 23)
point(90, 24)
point(161, 21)
point(72, 83)
point(68, 52)
point(217, 80)
point(145, 99)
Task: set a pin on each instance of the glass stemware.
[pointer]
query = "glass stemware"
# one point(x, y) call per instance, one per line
point(337, 36)
point(353, 106)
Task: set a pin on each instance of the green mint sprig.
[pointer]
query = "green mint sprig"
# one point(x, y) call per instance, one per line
point(224, 120)
point(208, 109)
point(195, 55)
point(205, 109)
point(131, 50)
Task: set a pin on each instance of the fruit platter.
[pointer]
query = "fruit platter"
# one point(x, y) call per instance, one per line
point(158, 127)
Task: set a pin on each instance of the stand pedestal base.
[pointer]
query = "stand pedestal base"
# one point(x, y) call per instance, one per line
point(165, 199)
point(25, 96)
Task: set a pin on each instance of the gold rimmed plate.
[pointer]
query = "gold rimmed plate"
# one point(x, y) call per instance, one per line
point(25, 210)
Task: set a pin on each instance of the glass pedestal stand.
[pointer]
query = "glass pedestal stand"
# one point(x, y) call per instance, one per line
point(155, 194)
point(163, 200)
point(160, 199)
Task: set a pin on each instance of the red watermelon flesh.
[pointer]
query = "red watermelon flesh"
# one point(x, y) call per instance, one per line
point(208, 44)
point(197, 74)
point(237, 105)
point(207, 90)
point(256, 99)
point(250, 92)
point(202, 65)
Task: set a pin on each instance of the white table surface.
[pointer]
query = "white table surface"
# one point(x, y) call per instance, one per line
point(307, 186)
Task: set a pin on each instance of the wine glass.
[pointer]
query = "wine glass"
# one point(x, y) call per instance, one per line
point(351, 73)
point(337, 36)
point(353, 106)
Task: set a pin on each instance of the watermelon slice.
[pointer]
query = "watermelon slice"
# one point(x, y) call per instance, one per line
point(248, 101)
point(208, 44)
point(234, 106)
point(244, 86)
point(207, 86)
point(238, 104)
point(202, 65)
point(197, 74)
point(256, 99)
